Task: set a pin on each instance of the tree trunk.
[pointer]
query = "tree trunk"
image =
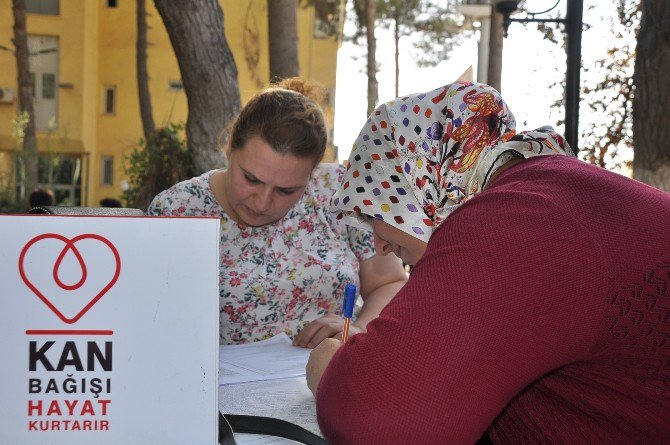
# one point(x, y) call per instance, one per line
point(494, 74)
point(283, 39)
point(396, 41)
point(25, 94)
point(208, 72)
point(146, 114)
point(651, 120)
point(373, 86)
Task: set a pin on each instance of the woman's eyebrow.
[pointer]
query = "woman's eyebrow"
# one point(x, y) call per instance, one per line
point(292, 187)
point(251, 175)
point(285, 188)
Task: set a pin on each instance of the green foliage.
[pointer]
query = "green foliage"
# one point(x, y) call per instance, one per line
point(439, 30)
point(12, 166)
point(326, 17)
point(611, 96)
point(607, 89)
point(9, 202)
point(432, 26)
point(157, 164)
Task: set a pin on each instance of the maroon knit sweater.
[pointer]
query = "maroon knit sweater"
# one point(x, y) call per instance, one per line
point(540, 313)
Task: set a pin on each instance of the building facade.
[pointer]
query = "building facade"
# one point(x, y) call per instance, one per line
point(82, 59)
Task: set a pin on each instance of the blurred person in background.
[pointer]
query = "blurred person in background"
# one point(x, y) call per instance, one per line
point(41, 198)
point(110, 202)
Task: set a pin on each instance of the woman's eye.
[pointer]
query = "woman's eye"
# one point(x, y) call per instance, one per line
point(251, 180)
point(285, 192)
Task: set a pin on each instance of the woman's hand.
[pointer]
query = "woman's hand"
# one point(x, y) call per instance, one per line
point(381, 278)
point(329, 325)
point(318, 361)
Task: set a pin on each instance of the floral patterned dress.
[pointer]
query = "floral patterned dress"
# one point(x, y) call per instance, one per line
point(278, 277)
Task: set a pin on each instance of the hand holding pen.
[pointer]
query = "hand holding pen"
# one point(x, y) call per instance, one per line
point(321, 355)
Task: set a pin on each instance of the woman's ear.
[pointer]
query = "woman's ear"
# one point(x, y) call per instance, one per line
point(229, 150)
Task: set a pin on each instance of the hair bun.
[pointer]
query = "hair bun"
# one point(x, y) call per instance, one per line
point(311, 90)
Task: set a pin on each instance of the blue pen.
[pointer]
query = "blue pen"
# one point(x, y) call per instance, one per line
point(348, 309)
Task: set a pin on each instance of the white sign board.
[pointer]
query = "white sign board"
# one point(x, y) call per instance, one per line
point(109, 330)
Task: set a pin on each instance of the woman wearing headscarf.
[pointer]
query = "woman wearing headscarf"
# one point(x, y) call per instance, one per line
point(538, 309)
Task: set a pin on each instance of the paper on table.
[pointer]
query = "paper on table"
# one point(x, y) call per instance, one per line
point(267, 378)
point(274, 358)
point(288, 399)
point(252, 439)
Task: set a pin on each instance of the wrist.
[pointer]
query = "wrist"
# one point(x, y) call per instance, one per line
point(361, 327)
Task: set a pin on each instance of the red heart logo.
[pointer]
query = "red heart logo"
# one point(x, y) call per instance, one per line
point(70, 246)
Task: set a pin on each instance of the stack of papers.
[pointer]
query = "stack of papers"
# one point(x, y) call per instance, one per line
point(274, 358)
point(267, 378)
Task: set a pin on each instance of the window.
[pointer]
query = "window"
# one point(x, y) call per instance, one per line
point(175, 85)
point(107, 170)
point(110, 100)
point(46, 7)
point(62, 174)
point(48, 86)
point(112, 4)
point(44, 62)
point(326, 19)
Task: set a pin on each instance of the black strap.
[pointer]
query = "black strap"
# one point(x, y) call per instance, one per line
point(264, 425)
point(226, 436)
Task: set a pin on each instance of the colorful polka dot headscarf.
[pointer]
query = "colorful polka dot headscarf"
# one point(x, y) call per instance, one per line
point(420, 156)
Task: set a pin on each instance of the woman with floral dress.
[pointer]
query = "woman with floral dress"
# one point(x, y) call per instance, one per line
point(284, 259)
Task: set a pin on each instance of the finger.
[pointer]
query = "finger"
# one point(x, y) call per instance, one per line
point(304, 337)
point(324, 332)
point(296, 340)
point(306, 332)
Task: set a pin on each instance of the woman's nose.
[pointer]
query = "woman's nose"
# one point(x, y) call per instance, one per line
point(382, 246)
point(264, 200)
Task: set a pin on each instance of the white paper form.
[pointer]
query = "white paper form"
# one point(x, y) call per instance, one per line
point(253, 439)
point(274, 358)
point(287, 399)
point(267, 379)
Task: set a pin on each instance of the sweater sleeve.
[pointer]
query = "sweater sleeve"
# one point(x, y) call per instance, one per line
point(501, 297)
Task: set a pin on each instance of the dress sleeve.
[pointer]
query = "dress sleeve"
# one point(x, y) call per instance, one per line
point(494, 304)
point(361, 243)
point(169, 202)
point(187, 198)
point(157, 205)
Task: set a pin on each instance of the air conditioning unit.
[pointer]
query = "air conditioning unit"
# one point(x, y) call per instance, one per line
point(6, 95)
